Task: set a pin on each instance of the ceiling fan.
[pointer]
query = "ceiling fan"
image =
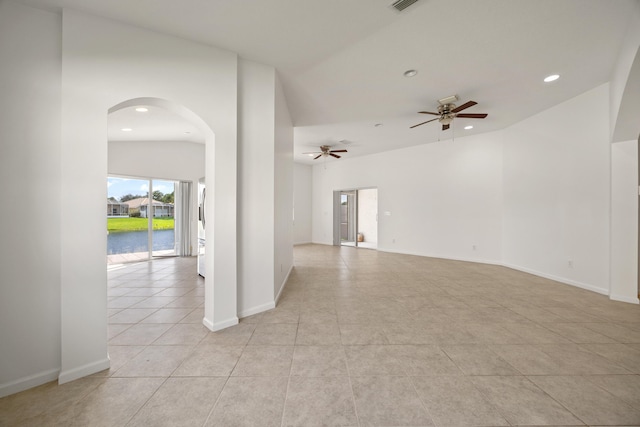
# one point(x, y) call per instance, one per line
point(326, 152)
point(447, 111)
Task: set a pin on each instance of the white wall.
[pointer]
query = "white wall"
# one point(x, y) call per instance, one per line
point(556, 192)
point(439, 199)
point(55, 103)
point(265, 188)
point(172, 160)
point(625, 84)
point(106, 63)
point(624, 221)
point(30, 170)
point(283, 194)
point(302, 203)
point(256, 97)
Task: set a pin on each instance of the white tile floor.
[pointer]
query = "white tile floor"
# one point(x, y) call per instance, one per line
point(359, 338)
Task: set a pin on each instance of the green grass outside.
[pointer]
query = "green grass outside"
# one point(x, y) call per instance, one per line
point(138, 224)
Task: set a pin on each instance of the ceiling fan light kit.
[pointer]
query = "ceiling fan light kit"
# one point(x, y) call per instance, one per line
point(447, 111)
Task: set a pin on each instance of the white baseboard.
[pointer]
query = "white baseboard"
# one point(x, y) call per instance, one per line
point(267, 306)
point(213, 327)
point(559, 279)
point(82, 371)
point(302, 243)
point(588, 287)
point(284, 283)
point(623, 298)
point(257, 309)
point(322, 243)
point(207, 323)
point(25, 383)
point(439, 256)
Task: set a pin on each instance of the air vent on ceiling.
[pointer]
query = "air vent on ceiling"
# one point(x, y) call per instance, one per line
point(401, 5)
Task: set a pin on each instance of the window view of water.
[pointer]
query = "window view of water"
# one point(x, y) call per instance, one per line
point(136, 241)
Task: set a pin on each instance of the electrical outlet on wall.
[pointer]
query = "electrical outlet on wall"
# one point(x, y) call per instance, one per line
point(474, 247)
point(570, 263)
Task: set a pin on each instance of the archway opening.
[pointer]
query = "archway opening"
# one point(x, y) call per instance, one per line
point(159, 140)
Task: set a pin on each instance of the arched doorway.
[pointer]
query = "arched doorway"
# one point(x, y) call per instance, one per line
point(208, 137)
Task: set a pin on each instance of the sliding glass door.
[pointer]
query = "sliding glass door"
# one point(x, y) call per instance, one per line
point(163, 218)
point(127, 225)
point(140, 219)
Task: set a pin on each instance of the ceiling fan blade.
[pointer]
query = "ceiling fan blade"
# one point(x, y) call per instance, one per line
point(464, 106)
point(472, 116)
point(445, 127)
point(317, 157)
point(338, 151)
point(334, 155)
point(420, 124)
point(428, 112)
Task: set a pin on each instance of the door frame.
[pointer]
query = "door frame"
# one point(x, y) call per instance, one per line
point(337, 215)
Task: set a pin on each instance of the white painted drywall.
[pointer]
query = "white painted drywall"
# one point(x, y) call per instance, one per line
point(625, 81)
point(172, 160)
point(265, 190)
point(368, 214)
point(256, 97)
point(556, 192)
point(302, 203)
point(30, 170)
point(439, 199)
point(283, 194)
point(106, 63)
point(624, 221)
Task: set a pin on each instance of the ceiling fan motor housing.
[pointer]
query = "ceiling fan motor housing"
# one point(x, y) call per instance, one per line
point(446, 116)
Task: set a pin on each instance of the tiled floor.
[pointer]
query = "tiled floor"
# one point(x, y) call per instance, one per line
point(359, 338)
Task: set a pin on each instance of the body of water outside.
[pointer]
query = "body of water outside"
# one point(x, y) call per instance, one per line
point(137, 241)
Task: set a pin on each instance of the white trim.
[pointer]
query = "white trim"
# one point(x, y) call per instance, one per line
point(269, 305)
point(284, 283)
point(207, 323)
point(622, 298)
point(322, 243)
point(220, 325)
point(257, 309)
point(560, 279)
point(476, 260)
point(566, 281)
point(28, 382)
point(84, 370)
point(302, 243)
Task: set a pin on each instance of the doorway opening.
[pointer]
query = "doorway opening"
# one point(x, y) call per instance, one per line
point(356, 218)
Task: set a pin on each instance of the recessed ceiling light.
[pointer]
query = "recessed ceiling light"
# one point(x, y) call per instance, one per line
point(187, 132)
point(468, 127)
point(142, 109)
point(410, 73)
point(551, 78)
point(126, 129)
point(378, 125)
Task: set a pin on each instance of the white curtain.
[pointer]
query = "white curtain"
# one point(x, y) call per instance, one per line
point(183, 218)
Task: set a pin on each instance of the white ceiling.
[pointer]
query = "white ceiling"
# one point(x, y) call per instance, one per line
point(342, 61)
point(156, 124)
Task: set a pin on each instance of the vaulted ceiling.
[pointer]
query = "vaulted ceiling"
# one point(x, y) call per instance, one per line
point(341, 62)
